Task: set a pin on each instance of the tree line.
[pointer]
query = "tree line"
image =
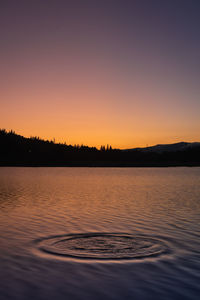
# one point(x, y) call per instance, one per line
point(16, 150)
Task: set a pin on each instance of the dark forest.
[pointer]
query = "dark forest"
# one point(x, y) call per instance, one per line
point(16, 150)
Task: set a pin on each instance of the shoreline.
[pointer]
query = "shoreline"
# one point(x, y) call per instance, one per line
point(102, 165)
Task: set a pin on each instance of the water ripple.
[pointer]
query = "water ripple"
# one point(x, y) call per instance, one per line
point(103, 246)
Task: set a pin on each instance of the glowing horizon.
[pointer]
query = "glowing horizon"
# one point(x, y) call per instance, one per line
point(117, 74)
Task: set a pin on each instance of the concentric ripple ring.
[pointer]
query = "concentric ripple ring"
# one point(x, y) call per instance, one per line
point(103, 246)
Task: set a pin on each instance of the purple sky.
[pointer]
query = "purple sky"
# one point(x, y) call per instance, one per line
point(96, 72)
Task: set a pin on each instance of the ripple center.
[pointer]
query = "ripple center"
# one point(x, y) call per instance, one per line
point(103, 246)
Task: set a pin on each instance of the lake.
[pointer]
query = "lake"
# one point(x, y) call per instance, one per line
point(100, 233)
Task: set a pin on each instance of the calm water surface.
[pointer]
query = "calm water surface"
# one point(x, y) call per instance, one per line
point(100, 233)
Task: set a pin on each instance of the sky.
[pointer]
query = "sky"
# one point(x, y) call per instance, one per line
point(118, 72)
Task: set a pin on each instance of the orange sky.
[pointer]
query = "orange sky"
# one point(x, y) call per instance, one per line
point(93, 82)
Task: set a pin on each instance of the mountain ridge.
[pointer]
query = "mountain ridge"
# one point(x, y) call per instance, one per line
point(16, 150)
point(159, 148)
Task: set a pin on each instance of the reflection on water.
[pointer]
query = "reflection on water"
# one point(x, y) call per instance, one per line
point(100, 233)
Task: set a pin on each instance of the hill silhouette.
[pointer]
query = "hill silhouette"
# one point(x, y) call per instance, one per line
point(181, 146)
point(16, 150)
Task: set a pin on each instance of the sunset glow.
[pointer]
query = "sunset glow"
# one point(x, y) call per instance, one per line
point(114, 73)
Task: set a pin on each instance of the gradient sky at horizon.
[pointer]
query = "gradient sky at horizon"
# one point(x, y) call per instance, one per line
point(124, 73)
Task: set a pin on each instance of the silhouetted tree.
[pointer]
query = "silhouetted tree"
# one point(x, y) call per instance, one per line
point(18, 150)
